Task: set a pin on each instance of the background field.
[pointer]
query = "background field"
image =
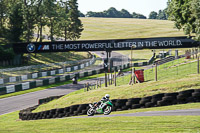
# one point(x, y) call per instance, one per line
point(122, 28)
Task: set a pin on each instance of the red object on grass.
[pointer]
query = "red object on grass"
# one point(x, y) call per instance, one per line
point(140, 75)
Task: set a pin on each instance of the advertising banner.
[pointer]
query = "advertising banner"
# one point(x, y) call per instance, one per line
point(106, 45)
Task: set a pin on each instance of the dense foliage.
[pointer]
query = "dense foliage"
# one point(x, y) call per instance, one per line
point(162, 15)
point(7, 54)
point(186, 15)
point(20, 19)
point(114, 13)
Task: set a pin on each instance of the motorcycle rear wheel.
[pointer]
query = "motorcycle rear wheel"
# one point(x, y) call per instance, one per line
point(90, 112)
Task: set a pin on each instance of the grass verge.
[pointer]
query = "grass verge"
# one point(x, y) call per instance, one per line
point(158, 124)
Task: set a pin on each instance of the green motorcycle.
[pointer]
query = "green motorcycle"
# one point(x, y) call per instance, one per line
point(104, 108)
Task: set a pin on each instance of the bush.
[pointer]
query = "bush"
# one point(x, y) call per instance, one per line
point(6, 54)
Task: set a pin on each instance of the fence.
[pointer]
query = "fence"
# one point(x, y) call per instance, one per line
point(162, 69)
point(179, 68)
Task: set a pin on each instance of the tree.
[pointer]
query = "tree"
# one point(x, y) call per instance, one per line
point(180, 12)
point(196, 13)
point(63, 20)
point(112, 13)
point(41, 19)
point(29, 18)
point(125, 14)
point(51, 14)
point(3, 12)
point(137, 15)
point(15, 23)
point(81, 14)
point(153, 15)
point(75, 27)
point(162, 15)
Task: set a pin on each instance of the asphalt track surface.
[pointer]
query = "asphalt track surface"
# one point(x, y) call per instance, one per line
point(15, 103)
point(188, 112)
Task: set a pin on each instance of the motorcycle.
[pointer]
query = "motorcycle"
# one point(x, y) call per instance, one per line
point(104, 108)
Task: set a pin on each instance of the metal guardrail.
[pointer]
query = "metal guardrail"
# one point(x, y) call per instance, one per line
point(36, 75)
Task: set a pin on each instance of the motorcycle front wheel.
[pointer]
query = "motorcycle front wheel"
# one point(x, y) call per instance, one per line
point(108, 110)
point(90, 112)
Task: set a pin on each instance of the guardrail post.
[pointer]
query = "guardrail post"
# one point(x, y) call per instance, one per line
point(100, 83)
point(87, 86)
point(106, 85)
point(156, 69)
point(97, 85)
point(198, 65)
point(115, 79)
point(111, 78)
point(133, 76)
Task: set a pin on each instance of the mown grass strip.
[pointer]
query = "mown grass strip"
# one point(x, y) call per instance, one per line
point(155, 124)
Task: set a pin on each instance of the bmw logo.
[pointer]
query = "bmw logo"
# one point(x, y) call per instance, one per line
point(31, 47)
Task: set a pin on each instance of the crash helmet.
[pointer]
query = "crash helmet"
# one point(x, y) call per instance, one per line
point(107, 96)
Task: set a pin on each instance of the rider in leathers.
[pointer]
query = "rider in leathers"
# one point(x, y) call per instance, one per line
point(103, 100)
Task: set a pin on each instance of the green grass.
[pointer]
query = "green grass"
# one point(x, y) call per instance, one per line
point(46, 58)
point(125, 91)
point(43, 58)
point(138, 55)
point(156, 124)
point(171, 82)
point(122, 28)
point(174, 69)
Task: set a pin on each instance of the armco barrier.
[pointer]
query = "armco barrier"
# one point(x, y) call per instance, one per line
point(45, 81)
point(47, 73)
point(162, 99)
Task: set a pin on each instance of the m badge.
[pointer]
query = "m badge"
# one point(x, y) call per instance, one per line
point(43, 47)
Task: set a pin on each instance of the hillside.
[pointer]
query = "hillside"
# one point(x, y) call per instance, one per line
point(169, 82)
point(121, 28)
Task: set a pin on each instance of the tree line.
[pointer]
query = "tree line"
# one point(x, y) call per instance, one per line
point(161, 15)
point(20, 19)
point(114, 13)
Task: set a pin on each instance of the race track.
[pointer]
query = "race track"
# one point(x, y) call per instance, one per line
point(189, 112)
point(11, 104)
